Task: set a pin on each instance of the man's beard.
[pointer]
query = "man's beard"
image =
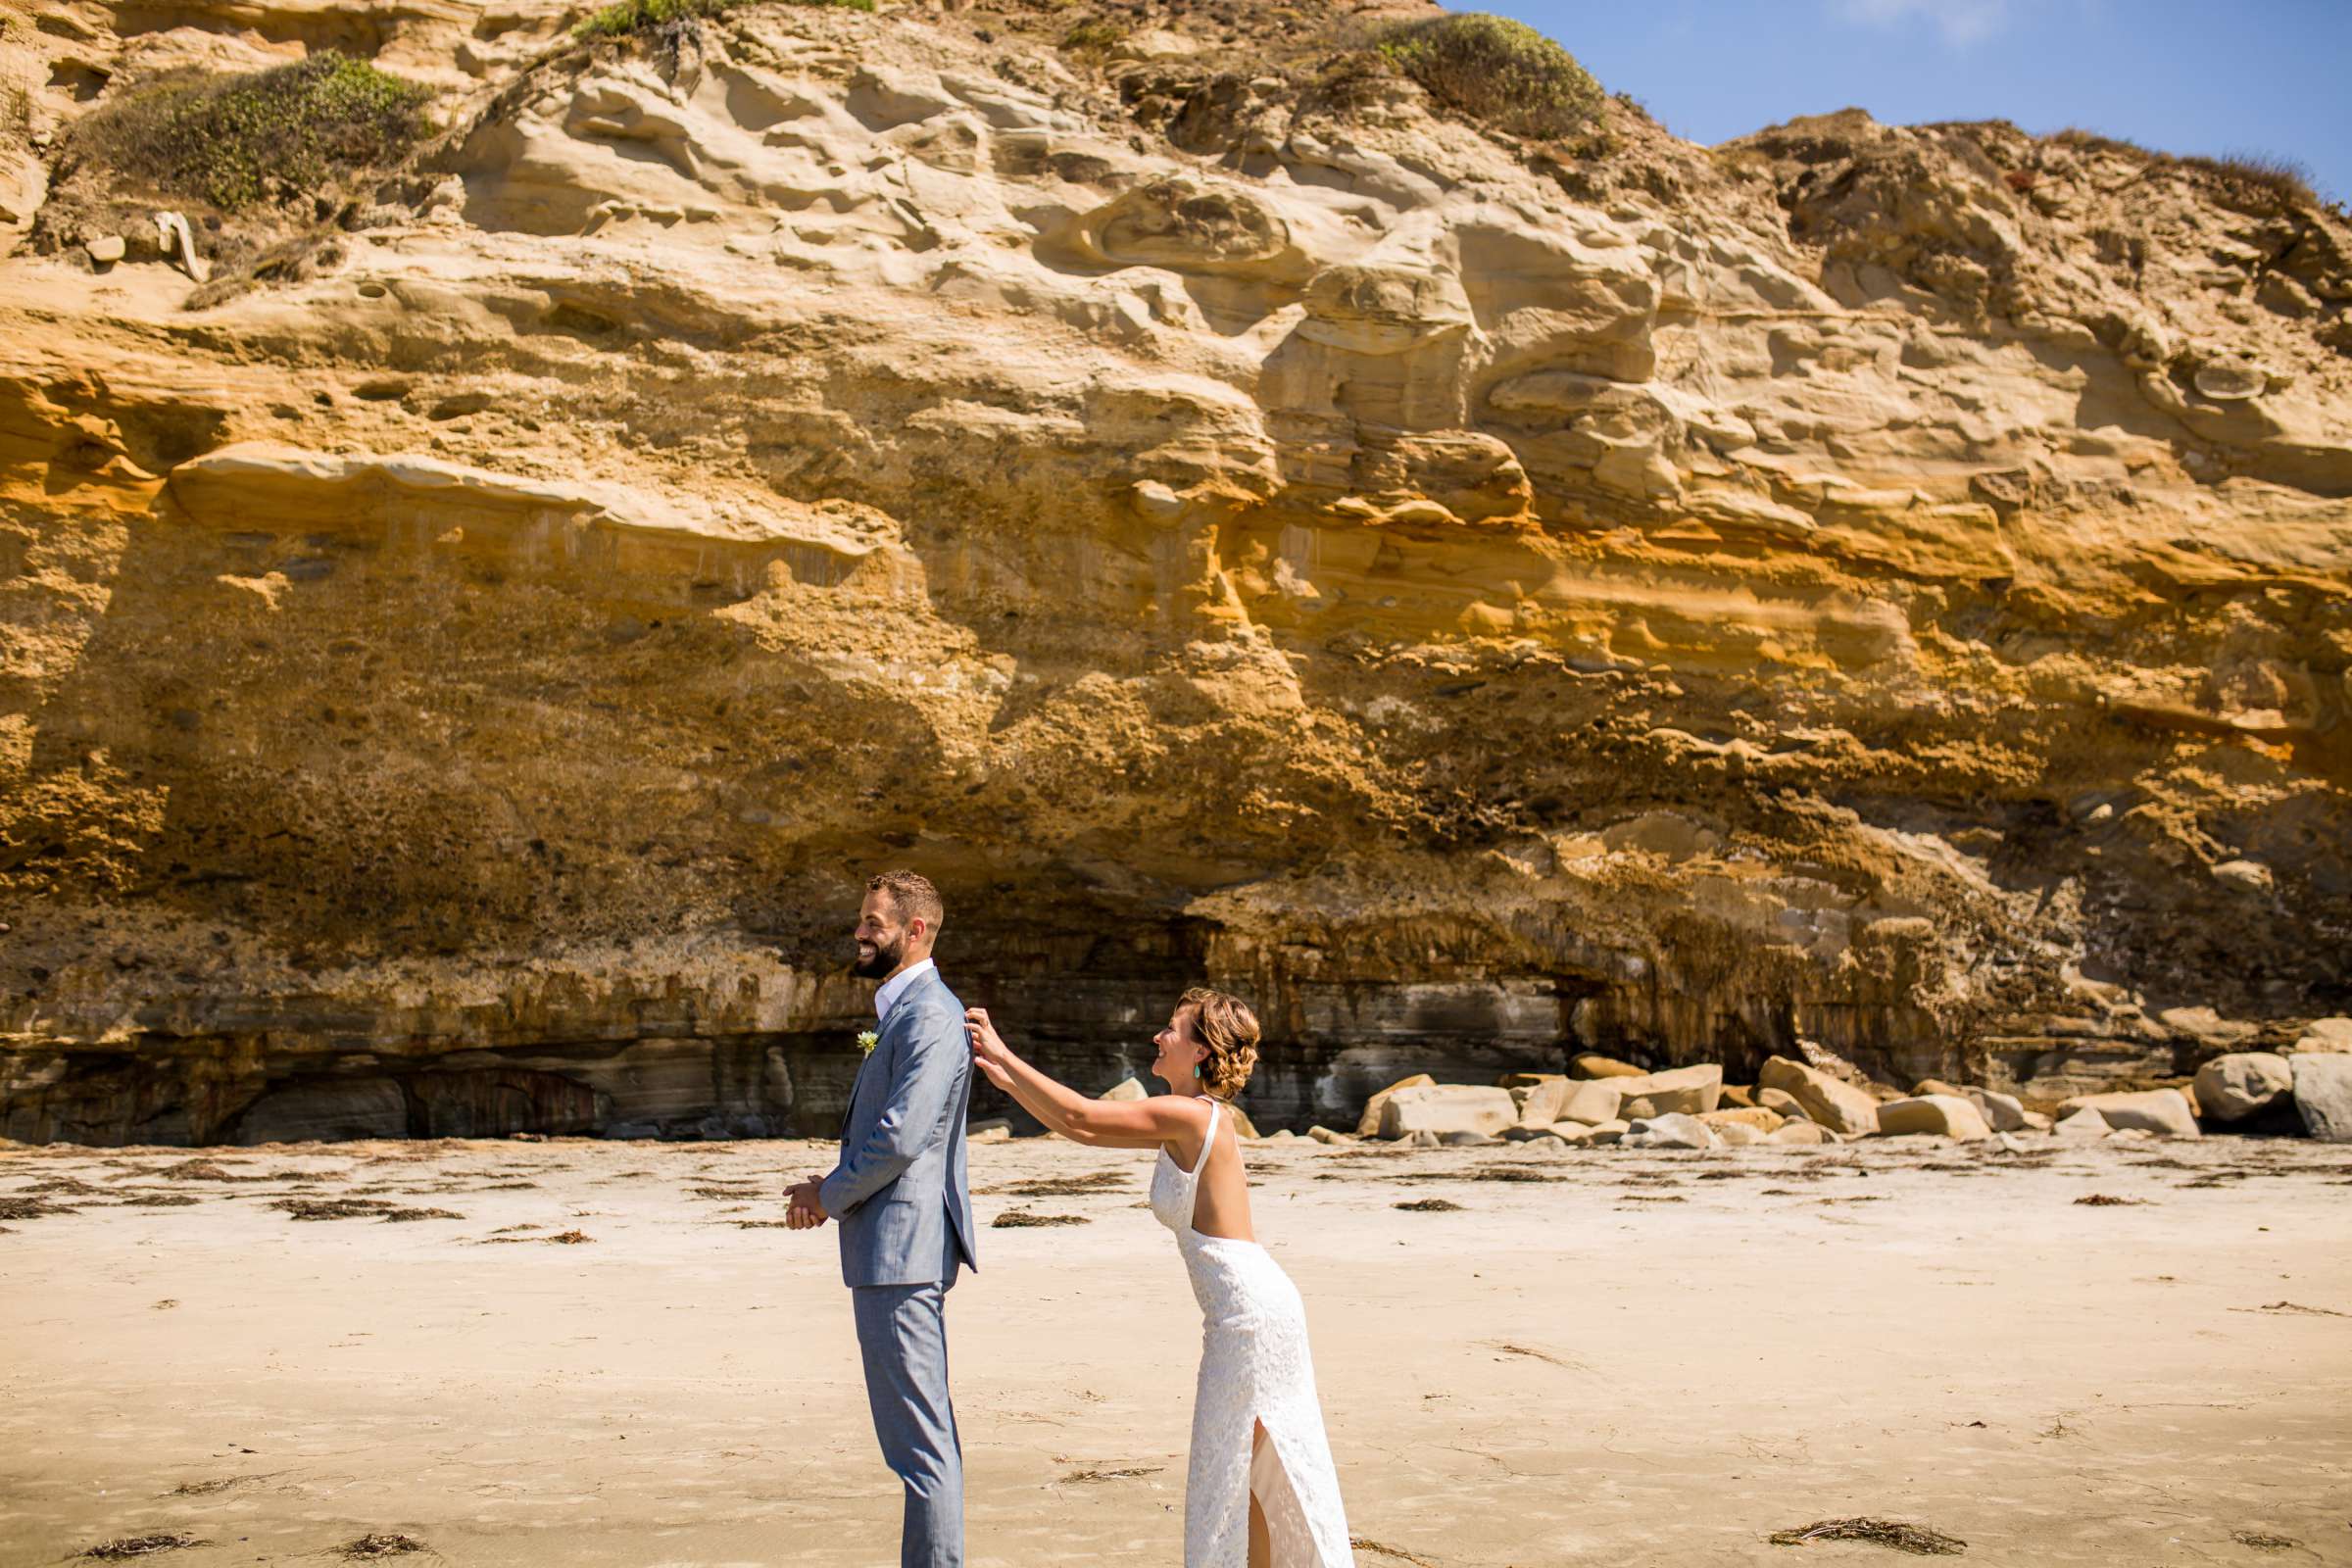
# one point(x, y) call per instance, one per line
point(885, 960)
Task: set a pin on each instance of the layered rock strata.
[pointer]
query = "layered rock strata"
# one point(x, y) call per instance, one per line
point(1484, 601)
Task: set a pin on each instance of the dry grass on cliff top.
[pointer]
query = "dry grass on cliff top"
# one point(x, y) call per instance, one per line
point(2282, 181)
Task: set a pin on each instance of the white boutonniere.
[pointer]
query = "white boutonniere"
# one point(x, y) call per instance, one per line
point(867, 1041)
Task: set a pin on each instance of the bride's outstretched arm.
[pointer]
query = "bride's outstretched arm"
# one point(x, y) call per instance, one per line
point(1107, 1123)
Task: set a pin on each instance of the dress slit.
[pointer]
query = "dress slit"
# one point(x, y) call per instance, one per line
point(1277, 1497)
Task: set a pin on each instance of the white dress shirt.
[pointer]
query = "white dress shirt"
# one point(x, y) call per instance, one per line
point(895, 987)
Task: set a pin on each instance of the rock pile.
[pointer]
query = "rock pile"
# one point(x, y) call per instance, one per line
point(1603, 1101)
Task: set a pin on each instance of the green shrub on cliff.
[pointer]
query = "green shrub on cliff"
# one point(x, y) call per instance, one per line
point(1498, 71)
point(642, 16)
point(1094, 37)
point(235, 140)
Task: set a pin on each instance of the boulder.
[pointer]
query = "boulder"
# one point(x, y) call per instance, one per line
point(1524, 1133)
point(1682, 1091)
point(2207, 1027)
point(1782, 1102)
point(994, 1130)
point(1675, 1130)
point(1324, 1135)
point(1466, 1138)
point(1424, 1139)
point(1946, 1114)
point(2166, 1113)
point(106, 249)
point(1831, 1102)
point(1750, 1116)
point(1590, 1065)
point(2327, 1035)
point(2003, 1113)
point(1242, 1126)
point(2251, 876)
point(1525, 1080)
point(2234, 1087)
point(1368, 1125)
point(1444, 1108)
point(2323, 1095)
point(1737, 1134)
point(1126, 1088)
point(1936, 1086)
point(2082, 1124)
point(1595, 1100)
point(1799, 1134)
point(1738, 1096)
point(1541, 1104)
point(1609, 1132)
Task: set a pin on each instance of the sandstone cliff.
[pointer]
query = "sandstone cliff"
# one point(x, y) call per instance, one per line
point(1222, 513)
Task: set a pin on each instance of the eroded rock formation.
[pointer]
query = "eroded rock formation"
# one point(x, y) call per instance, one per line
point(1224, 520)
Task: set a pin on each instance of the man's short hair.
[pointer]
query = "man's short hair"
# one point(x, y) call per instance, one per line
point(912, 895)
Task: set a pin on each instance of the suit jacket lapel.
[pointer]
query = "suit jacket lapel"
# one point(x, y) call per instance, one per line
point(849, 1110)
point(859, 1082)
point(881, 1027)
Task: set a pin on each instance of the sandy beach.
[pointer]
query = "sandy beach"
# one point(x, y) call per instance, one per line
point(591, 1353)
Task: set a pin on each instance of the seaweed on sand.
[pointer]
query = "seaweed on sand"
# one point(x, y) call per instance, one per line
point(329, 1208)
point(143, 1546)
point(1097, 1181)
point(204, 1170)
point(1913, 1539)
point(1878, 1531)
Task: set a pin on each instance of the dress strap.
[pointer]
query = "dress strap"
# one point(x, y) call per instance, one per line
point(1209, 1143)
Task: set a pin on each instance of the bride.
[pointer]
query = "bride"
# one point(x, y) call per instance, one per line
point(1260, 1487)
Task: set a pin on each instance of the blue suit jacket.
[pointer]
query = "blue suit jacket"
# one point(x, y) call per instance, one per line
point(900, 1196)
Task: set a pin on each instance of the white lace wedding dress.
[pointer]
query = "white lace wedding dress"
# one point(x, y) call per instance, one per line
point(1254, 1369)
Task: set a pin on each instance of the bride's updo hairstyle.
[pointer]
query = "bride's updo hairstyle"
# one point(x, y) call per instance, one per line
point(1226, 1027)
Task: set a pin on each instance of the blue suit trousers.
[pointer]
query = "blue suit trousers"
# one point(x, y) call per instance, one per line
point(902, 1338)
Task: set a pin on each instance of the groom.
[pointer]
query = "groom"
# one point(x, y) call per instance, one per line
point(905, 1207)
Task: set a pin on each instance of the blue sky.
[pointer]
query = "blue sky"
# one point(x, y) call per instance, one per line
point(2268, 76)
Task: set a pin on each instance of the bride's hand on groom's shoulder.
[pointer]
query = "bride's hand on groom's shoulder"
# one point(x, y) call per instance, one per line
point(989, 1049)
